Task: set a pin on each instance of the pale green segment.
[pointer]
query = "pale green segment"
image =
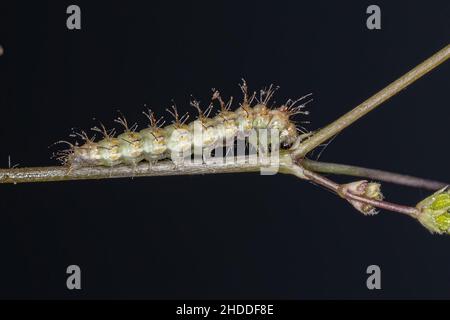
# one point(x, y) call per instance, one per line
point(443, 222)
point(442, 201)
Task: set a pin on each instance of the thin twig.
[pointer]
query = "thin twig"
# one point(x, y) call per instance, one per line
point(164, 168)
point(379, 175)
point(395, 87)
point(333, 186)
point(144, 169)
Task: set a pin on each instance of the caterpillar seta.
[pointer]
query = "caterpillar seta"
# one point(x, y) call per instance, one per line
point(178, 139)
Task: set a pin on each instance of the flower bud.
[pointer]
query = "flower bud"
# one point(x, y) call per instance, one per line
point(435, 212)
point(370, 190)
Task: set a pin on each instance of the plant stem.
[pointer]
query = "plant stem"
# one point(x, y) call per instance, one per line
point(144, 169)
point(168, 168)
point(335, 187)
point(395, 87)
point(379, 175)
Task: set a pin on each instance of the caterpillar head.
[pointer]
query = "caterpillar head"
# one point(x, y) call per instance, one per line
point(280, 120)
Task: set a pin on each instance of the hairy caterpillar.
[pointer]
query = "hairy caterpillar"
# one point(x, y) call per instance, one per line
point(179, 138)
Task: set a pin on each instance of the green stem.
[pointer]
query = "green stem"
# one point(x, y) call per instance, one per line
point(144, 169)
point(395, 87)
point(374, 174)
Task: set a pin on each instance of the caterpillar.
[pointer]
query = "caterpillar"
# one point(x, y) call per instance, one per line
point(157, 142)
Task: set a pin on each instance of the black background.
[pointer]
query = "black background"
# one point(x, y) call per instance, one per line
point(219, 236)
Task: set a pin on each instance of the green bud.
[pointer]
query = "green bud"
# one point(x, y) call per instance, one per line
point(442, 201)
point(435, 212)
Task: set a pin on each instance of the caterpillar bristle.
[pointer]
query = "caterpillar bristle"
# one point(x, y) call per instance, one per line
point(266, 94)
point(107, 134)
point(123, 122)
point(178, 121)
point(154, 122)
point(158, 142)
point(196, 104)
point(84, 136)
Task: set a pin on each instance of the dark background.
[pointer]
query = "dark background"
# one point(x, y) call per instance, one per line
point(219, 236)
